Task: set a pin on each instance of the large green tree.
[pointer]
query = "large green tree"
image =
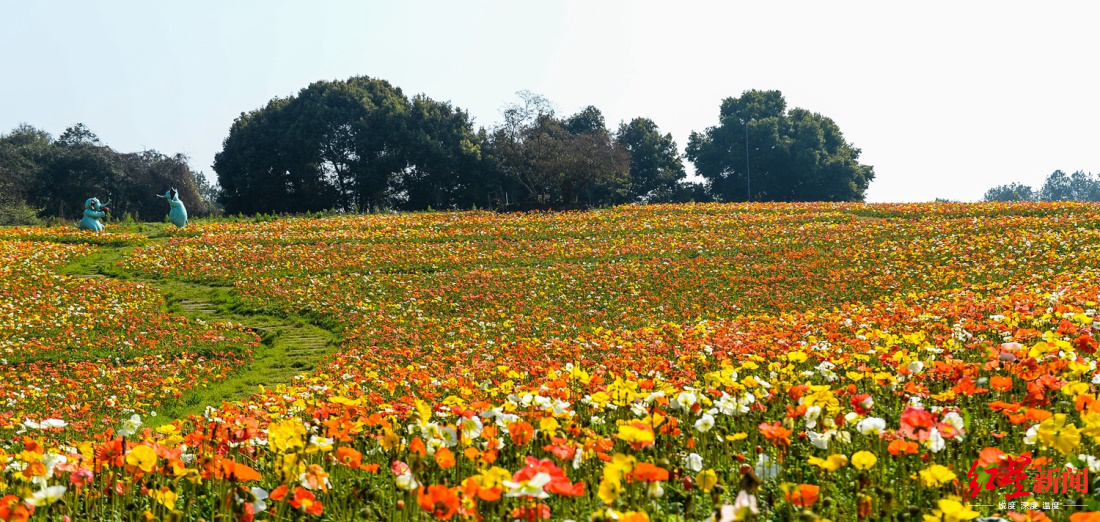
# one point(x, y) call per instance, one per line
point(444, 168)
point(559, 162)
point(760, 151)
point(349, 145)
point(655, 166)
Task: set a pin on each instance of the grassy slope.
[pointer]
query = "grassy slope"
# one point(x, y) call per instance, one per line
point(288, 347)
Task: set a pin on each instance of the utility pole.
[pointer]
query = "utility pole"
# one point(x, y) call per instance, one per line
point(748, 173)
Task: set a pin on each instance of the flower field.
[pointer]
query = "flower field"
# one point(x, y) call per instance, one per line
point(87, 351)
point(687, 362)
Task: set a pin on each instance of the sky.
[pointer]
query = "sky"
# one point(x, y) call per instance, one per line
point(945, 99)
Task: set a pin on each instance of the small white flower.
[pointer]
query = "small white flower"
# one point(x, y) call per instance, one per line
point(654, 490)
point(705, 423)
point(820, 440)
point(765, 470)
point(406, 482)
point(686, 400)
point(448, 436)
point(1091, 462)
point(1031, 435)
point(727, 405)
point(130, 426)
point(743, 506)
point(871, 426)
point(653, 396)
point(694, 462)
point(46, 424)
point(46, 496)
point(812, 414)
point(259, 505)
point(935, 441)
point(471, 427)
point(916, 367)
point(529, 488)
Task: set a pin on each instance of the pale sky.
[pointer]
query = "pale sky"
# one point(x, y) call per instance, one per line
point(946, 99)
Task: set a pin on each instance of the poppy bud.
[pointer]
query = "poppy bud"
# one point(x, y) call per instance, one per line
point(400, 505)
point(688, 482)
point(887, 497)
point(746, 469)
point(749, 482)
point(759, 450)
point(864, 506)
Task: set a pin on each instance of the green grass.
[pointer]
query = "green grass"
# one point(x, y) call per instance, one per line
point(288, 346)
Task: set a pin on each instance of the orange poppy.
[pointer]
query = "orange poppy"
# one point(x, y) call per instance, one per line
point(440, 501)
point(445, 458)
point(804, 495)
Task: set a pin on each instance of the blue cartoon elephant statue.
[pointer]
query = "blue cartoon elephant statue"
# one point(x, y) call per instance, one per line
point(178, 214)
point(93, 212)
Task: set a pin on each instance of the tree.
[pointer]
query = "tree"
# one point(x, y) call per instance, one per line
point(210, 193)
point(655, 166)
point(444, 162)
point(1011, 192)
point(691, 192)
point(350, 145)
point(1078, 186)
point(589, 119)
point(80, 167)
point(57, 176)
point(23, 151)
point(149, 173)
point(559, 162)
point(759, 151)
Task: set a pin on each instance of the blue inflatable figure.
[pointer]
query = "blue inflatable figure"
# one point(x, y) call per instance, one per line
point(93, 212)
point(178, 214)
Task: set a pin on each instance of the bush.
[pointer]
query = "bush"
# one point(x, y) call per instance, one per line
point(19, 213)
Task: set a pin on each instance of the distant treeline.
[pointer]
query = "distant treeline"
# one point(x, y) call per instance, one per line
point(362, 145)
point(1059, 186)
point(45, 177)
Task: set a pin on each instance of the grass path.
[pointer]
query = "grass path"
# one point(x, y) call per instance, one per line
point(288, 346)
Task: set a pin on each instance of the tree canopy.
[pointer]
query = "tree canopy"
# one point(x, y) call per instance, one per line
point(1058, 186)
point(1010, 192)
point(760, 151)
point(348, 145)
point(656, 170)
point(555, 161)
point(43, 176)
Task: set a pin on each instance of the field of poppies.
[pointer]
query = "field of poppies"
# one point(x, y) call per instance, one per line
point(689, 362)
